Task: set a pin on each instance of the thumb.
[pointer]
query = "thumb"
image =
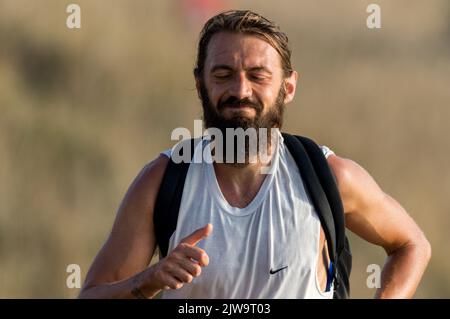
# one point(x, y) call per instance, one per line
point(198, 235)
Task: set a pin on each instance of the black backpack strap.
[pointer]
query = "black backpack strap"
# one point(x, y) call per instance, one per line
point(167, 204)
point(329, 185)
point(315, 191)
point(320, 181)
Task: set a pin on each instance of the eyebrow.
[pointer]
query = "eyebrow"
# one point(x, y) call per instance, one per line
point(259, 68)
point(229, 68)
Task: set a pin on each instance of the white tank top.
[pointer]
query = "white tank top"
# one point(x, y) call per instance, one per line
point(278, 232)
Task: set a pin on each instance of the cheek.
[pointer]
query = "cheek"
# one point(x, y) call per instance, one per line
point(215, 93)
point(268, 97)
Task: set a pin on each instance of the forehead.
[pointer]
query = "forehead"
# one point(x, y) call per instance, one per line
point(241, 50)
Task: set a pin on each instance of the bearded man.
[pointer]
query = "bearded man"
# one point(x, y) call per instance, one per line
point(268, 241)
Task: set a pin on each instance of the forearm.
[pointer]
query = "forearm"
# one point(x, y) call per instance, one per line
point(403, 271)
point(121, 289)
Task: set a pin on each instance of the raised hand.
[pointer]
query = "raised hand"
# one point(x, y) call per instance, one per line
point(184, 262)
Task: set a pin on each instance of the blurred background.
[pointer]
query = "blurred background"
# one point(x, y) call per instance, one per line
point(83, 110)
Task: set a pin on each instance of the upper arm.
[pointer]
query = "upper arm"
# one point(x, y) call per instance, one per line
point(369, 212)
point(131, 243)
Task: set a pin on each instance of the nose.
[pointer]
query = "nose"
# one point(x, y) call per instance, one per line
point(240, 87)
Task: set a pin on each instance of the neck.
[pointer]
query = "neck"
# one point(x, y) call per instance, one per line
point(240, 183)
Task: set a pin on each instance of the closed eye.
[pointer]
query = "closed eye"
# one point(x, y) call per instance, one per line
point(221, 72)
point(258, 77)
point(222, 75)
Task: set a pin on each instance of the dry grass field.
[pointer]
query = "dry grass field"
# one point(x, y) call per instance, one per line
point(81, 111)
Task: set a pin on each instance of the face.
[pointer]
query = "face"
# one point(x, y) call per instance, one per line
point(243, 83)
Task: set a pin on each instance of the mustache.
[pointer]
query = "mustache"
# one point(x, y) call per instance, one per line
point(234, 101)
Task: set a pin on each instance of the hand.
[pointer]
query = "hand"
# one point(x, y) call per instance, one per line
point(183, 263)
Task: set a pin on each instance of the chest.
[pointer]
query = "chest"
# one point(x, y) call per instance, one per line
point(270, 243)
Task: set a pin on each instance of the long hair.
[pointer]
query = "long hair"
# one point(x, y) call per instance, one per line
point(246, 22)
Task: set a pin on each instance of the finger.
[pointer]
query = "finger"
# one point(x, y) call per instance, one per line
point(198, 235)
point(193, 252)
point(190, 266)
point(171, 282)
point(181, 274)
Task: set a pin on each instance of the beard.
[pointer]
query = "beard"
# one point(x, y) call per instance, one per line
point(213, 117)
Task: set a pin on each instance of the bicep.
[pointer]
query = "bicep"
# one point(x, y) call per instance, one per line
point(131, 243)
point(369, 212)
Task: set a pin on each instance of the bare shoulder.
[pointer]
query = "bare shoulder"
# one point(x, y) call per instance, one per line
point(354, 182)
point(153, 171)
point(148, 181)
point(144, 189)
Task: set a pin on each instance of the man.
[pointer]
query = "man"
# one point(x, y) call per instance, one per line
point(261, 221)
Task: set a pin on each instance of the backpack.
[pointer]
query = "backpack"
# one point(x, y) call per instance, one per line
point(320, 184)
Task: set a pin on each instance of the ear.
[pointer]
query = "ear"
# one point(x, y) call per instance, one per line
point(290, 85)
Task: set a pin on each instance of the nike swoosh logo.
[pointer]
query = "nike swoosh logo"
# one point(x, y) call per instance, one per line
point(275, 271)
